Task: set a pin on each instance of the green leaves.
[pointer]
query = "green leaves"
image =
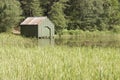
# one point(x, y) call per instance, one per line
point(35, 8)
point(31, 8)
point(9, 14)
point(58, 16)
point(92, 14)
point(65, 14)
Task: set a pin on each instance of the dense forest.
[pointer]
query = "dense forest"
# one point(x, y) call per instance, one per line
point(65, 14)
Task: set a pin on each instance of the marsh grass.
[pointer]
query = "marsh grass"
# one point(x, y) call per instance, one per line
point(18, 62)
point(16, 41)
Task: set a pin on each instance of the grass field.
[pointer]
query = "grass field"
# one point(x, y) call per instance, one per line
point(21, 59)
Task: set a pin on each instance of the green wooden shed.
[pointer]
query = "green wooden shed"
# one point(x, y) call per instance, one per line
point(40, 27)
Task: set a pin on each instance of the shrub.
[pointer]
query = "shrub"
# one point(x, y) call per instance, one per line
point(116, 29)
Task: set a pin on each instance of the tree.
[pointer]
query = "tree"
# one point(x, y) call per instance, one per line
point(35, 7)
point(92, 14)
point(111, 14)
point(9, 14)
point(31, 8)
point(76, 11)
point(115, 14)
point(47, 4)
point(57, 15)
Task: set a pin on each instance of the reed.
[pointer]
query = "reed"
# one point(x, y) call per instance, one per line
point(20, 62)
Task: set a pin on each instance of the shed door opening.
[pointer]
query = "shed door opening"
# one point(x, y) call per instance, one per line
point(29, 31)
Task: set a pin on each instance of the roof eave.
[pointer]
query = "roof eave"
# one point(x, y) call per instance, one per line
point(28, 24)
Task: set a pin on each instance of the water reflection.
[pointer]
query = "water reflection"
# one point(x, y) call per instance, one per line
point(87, 42)
point(79, 42)
point(46, 42)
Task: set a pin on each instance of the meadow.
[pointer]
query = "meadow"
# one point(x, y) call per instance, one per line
point(22, 59)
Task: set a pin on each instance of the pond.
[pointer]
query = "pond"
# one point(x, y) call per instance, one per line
point(79, 41)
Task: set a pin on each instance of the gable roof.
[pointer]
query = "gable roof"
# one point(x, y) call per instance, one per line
point(33, 20)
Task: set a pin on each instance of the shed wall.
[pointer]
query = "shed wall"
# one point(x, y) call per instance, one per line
point(29, 30)
point(46, 29)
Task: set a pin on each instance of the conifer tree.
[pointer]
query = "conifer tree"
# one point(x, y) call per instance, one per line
point(31, 8)
point(35, 7)
point(92, 14)
point(111, 14)
point(57, 15)
point(9, 14)
point(76, 14)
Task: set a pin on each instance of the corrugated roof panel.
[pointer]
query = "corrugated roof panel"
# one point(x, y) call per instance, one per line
point(33, 20)
point(26, 21)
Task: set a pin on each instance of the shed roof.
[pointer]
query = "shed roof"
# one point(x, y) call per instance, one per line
point(33, 20)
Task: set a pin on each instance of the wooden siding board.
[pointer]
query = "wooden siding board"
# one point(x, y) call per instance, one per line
point(29, 31)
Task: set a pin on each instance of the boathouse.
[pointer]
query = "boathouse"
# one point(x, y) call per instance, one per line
point(40, 27)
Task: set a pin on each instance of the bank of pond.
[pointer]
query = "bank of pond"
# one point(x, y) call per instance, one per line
point(86, 39)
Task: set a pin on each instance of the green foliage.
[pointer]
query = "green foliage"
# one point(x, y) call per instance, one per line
point(116, 29)
point(58, 17)
point(73, 12)
point(111, 15)
point(31, 8)
point(36, 10)
point(92, 14)
point(84, 15)
point(9, 14)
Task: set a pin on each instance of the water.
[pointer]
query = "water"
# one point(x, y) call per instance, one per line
point(46, 42)
point(79, 42)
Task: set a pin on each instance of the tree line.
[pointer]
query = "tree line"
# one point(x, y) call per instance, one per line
point(65, 14)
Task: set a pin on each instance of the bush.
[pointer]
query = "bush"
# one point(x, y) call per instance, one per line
point(71, 32)
point(65, 31)
point(116, 29)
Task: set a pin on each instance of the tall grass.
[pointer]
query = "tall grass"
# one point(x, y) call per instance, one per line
point(16, 41)
point(18, 62)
